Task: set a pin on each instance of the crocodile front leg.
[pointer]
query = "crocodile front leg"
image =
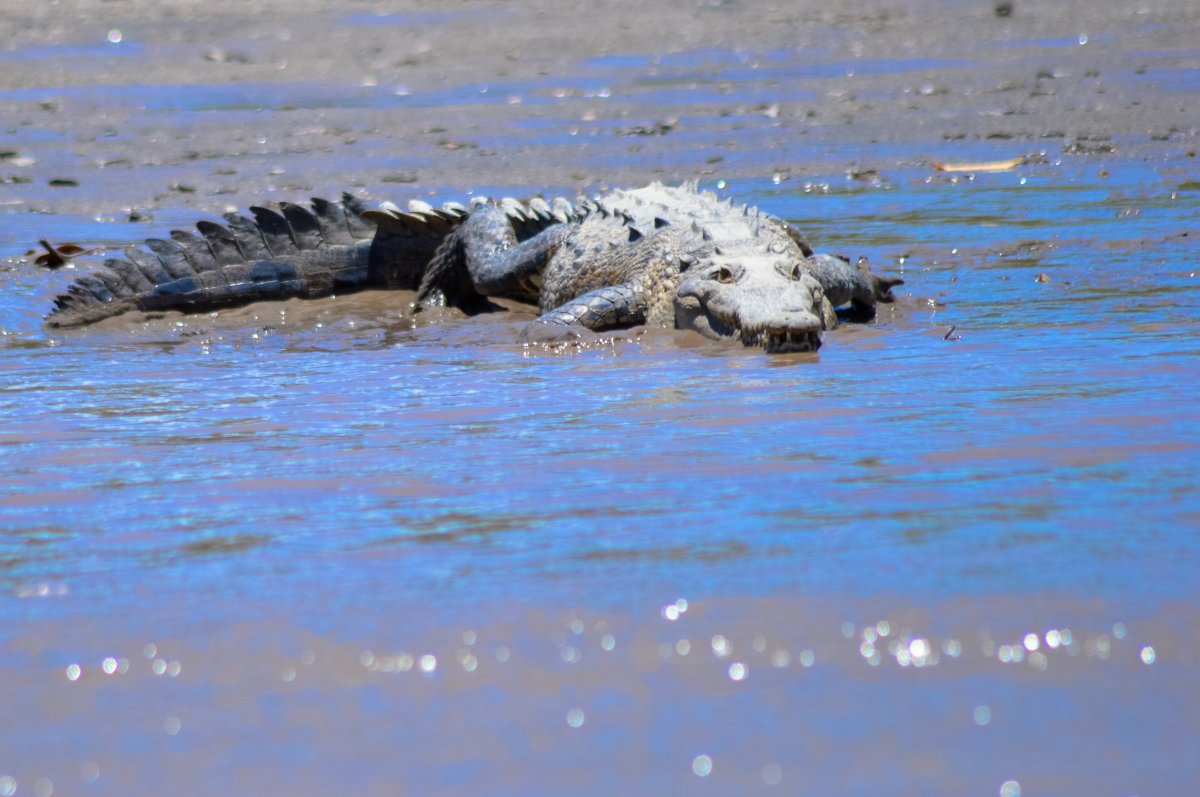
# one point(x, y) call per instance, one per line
point(855, 284)
point(484, 258)
point(604, 308)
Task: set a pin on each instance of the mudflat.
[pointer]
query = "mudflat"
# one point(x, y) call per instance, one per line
point(334, 547)
point(221, 103)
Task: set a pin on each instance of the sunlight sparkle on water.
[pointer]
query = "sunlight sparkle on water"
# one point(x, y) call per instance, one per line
point(575, 717)
point(921, 653)
point(738, 671)
point(8, 785)
point(1010, 788)
point(1100, 647)
point(73, 672)
point(672, 611)
point(702, 765)
point(983, 715)
point(1011, 654)
point(1148, 655)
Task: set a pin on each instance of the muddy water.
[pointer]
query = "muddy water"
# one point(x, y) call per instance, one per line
point(328, 547)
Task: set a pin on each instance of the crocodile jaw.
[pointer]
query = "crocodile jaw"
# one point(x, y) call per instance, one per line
point(805, 336)
point(782, 341)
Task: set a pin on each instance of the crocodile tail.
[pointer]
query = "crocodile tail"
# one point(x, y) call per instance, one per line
point(406, 241)
point(292, 251)
point(447, 280)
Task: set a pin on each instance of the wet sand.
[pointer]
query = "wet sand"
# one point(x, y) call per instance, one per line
point(318, 548)
point(546, 97)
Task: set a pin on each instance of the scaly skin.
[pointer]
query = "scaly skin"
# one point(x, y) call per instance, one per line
point(665, 256)
point(296, 252)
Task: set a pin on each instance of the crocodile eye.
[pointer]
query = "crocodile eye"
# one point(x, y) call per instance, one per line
point(724, 275)
point(797, 271)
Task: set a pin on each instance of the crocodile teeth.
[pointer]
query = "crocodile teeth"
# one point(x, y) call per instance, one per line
point(793, 341)
point(781, 341)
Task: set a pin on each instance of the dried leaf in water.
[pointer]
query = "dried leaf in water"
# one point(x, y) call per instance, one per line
point(56, 256)
point(983, 166)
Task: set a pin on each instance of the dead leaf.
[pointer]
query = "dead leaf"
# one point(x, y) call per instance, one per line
point(56, 256)
point(983, 166)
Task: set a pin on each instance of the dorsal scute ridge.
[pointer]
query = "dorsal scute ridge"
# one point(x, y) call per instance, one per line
point(540, 207)
point(513, 208)
point(196, 249)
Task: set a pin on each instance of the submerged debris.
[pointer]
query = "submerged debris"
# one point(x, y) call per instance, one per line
point(660, 128)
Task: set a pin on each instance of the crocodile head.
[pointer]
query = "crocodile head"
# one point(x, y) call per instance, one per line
point(762, 300)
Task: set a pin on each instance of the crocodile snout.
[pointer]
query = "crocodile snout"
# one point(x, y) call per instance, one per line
point(785, 332)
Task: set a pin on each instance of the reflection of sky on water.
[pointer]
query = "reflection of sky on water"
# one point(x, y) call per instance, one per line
point(314, 545)
point(1016, 458)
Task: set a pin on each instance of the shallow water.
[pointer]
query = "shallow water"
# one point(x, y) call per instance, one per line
point(325, 547)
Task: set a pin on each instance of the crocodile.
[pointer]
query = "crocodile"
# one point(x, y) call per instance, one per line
point(670, 256)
